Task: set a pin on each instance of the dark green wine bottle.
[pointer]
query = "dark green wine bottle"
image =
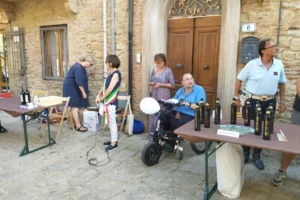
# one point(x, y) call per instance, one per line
point(207, 116)
point(233, 112)
point(267, 126)
point(258, 121)
point(247, 119)
point(197, 118)
point(217, 112)
point(271, 109)
point(202, 110)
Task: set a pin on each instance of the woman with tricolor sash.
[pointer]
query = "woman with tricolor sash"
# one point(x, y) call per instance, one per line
point(108, 95)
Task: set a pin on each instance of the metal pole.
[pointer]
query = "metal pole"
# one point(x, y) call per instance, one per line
point(130, 35)
point(113, 46)
point(4, 58)
point(22, 43)
point(104, 39)
point(279, 22)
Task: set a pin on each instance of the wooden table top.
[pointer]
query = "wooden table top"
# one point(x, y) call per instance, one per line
point(292, 133)
point(11, 106)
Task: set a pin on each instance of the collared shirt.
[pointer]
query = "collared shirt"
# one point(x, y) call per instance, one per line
point(193, 97)
point(261, 81)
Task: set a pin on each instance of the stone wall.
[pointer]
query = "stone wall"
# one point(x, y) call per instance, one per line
point(265, 14)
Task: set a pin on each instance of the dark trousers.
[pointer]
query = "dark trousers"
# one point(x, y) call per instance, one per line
point(170, 123)
point(252, 113)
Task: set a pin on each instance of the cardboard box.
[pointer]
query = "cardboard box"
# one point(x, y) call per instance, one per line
point(92, 127)
point(90, 117)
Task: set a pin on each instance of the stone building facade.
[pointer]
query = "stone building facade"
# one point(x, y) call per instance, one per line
point(84, 21)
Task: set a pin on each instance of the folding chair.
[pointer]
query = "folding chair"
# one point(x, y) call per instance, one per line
point(60, 116)
point(122, 114)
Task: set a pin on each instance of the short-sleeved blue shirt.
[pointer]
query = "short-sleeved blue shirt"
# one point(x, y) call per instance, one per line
point(260, 80)
point(193, 97)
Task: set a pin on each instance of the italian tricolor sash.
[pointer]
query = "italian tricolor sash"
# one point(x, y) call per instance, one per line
point(108, 100)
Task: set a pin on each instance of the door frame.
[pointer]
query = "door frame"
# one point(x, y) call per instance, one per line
point(155, 41)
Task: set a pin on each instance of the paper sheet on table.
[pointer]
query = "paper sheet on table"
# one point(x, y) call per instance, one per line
point(281, 138)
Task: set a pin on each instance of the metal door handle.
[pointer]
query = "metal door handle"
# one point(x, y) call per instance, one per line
point(206, 66)
point(178, 66)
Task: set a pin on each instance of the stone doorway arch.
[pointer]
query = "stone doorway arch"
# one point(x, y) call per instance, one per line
point(155, 20)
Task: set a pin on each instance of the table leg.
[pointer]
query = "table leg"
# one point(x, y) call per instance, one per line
point(26, 147)
point(2, 129)
point(208, 194)
point(206, 190)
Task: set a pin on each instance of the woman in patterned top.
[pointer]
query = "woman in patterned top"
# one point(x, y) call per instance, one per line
point(161, 81)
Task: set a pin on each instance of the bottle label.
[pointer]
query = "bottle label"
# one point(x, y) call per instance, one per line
point(26, 99)
point(267, 124)
point(257, 123)
point(217, 114)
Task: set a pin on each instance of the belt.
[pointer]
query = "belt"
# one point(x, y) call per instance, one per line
point(261, 98)
point(258, 97)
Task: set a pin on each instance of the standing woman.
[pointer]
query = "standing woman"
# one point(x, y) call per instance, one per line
point(161, 80)
point(108, 95)
point(76, 87)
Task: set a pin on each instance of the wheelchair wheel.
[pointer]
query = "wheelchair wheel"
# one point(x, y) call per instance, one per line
point(149, 155)
point(199, 148)
point(179, 153)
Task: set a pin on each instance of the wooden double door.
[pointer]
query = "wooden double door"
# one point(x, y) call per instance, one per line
point(193, 47)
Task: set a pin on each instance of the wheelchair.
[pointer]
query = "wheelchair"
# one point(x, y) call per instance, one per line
point(153, 150)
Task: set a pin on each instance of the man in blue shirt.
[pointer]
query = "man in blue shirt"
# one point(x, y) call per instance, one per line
point(263, 76)
point(191, 94)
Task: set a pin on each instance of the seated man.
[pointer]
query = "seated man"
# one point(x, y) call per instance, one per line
point(191, 94)
point(287, 158)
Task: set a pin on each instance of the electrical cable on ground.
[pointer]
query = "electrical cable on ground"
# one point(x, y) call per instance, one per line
point(94, 161)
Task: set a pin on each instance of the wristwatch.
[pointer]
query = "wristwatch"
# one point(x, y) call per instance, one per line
point(282, 102)
point(190, 104)
point(237, 97)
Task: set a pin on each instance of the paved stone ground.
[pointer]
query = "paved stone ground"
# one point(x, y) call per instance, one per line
point(62, 171)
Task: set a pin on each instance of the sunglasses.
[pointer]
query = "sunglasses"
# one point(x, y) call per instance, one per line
point(273, 47)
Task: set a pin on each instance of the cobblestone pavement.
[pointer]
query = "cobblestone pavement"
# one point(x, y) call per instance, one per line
point(62, 172)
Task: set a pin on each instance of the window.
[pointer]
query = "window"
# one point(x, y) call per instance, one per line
point(54, 51)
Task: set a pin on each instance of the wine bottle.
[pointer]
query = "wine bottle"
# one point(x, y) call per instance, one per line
point(202, 110)
point(207, 116)
point(217, 112)
point(257, 105)
point(27, 96)
point(22, 97)
point(271, 109)
point(247, 119)
point(258, 121)
point(197, 118)
point(233, 112)
point(267, 123)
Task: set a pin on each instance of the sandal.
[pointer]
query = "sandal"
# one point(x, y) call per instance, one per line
point(80, 130)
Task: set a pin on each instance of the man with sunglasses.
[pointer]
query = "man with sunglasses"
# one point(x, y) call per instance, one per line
point(263, 76)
